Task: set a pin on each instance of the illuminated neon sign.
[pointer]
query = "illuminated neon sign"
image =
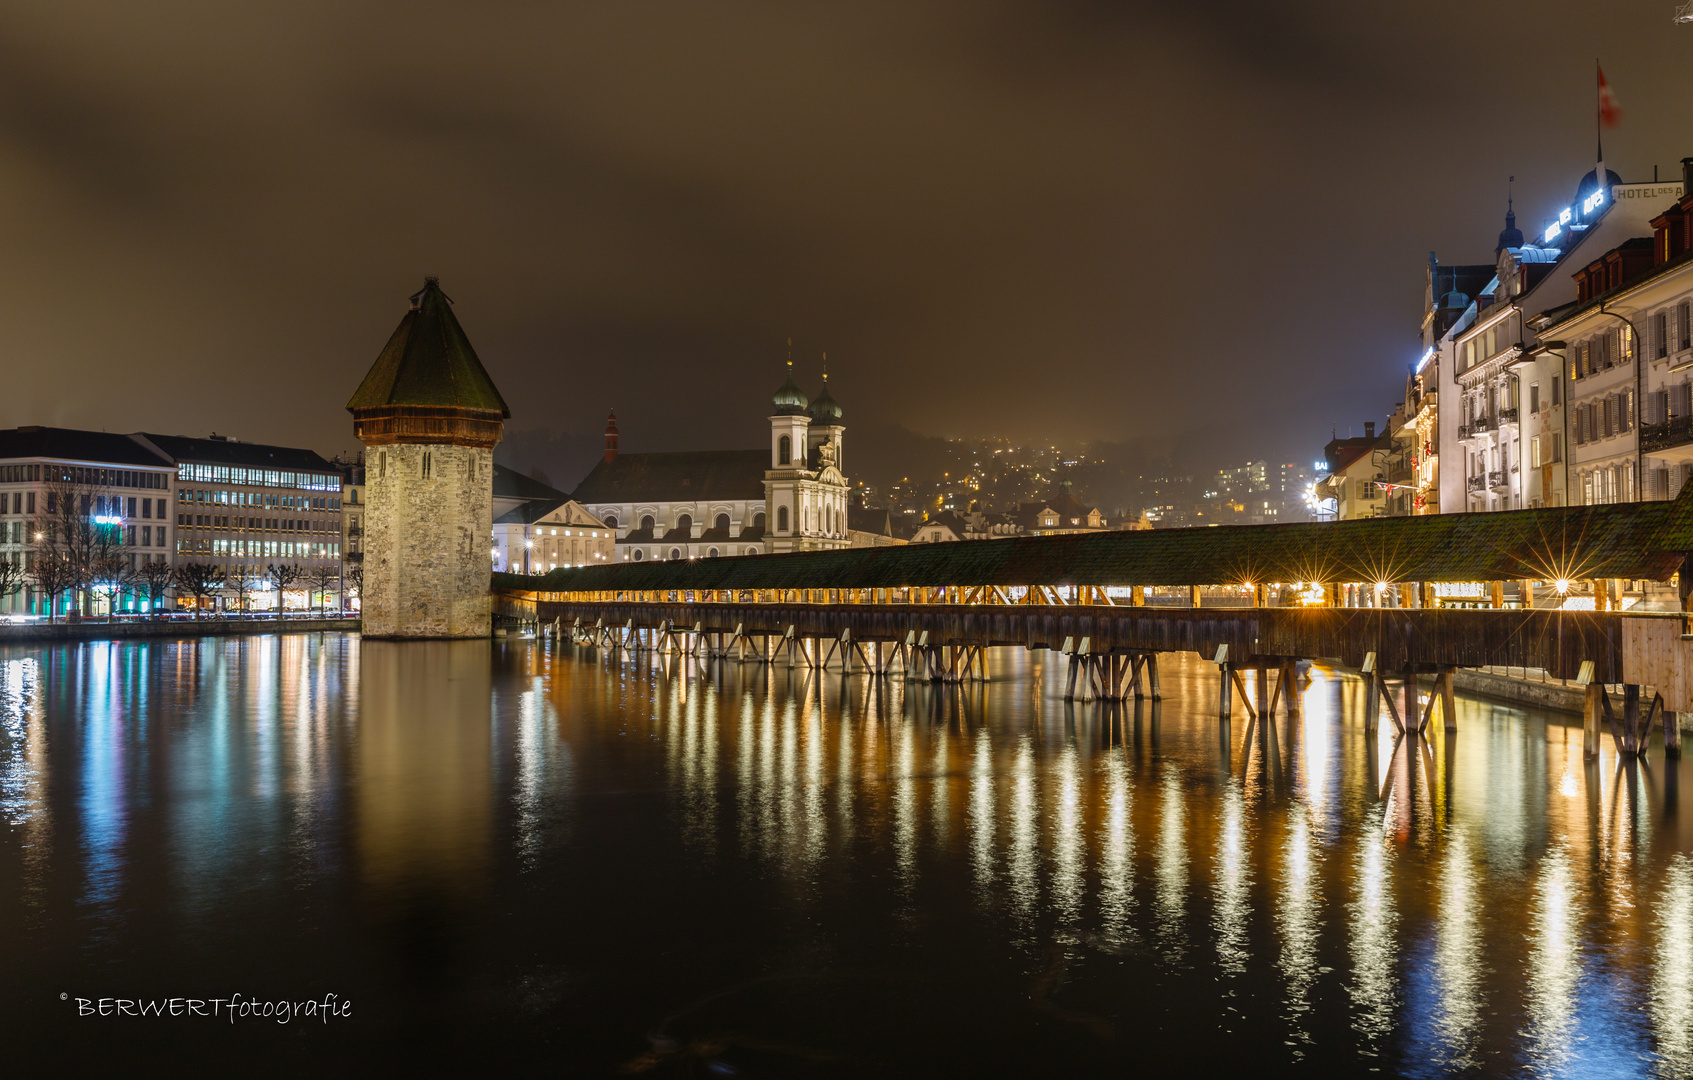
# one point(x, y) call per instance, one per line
point(105, 520)
point(1592, 202)
point(1423, 363)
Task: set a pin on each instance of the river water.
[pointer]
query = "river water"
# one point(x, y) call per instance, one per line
point(519, 854)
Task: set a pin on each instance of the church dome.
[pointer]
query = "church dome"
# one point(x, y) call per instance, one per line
point(825, 410)
point(790, 400)
point(1590, 183)
point(1454, 301)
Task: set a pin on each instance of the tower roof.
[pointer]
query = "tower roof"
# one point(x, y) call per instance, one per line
point(429, 362)
point(789, 399)
point(824, 409)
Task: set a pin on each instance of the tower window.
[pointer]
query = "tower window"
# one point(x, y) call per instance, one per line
point(781, 519)
point(427, 463)
point(784, 451)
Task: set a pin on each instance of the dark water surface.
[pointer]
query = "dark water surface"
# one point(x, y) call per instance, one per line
point(517, 854)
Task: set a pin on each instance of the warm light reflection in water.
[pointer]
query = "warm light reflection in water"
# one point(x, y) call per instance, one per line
point(1487, 903)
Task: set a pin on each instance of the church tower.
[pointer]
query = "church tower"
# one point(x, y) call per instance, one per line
point(429, 417)
point(805, 495)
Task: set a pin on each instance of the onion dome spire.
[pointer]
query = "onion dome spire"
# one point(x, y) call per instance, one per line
point(825, 410)
point(789, 399)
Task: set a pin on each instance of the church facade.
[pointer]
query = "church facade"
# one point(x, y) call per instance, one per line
point(718, 503)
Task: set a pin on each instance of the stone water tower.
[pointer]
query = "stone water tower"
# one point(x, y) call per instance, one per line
point(429, 418)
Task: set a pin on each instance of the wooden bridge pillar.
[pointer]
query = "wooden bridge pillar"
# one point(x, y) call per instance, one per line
point(1590, 710)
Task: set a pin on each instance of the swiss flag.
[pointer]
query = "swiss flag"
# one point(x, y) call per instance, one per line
point(1609, 113)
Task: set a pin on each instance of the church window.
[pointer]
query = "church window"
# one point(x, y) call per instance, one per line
point(722, 522)
point(757, 526)
point(611, 521)
point(712, 554)
point(781, 519)
point(638, 555)
point(685, 524)
point(675, 554)
point(784, 451)
point(647, 523)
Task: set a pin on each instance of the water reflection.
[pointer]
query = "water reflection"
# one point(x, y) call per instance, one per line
point(633, 840)
point(1554, 964)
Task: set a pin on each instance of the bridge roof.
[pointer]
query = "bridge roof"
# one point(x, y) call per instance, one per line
point(1635, 540)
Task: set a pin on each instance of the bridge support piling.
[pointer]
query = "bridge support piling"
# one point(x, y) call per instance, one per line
point(1448, 699)
point(1672, 729)
point(1413, 704)
point(1590, 720)
point(1633, 741)
point(1152, 684)
point(1261, 689)
point(1226, 692)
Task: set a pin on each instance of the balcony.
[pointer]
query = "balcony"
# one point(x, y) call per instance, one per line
point(1676, 431)
point(1482, 423)
point(1475, 483)
point(1507, 416)
point(1496, 479)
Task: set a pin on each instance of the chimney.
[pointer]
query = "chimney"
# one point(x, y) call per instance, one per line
point(1369, 429)
point(611, 437)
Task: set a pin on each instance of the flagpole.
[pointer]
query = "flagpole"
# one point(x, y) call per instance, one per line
point(1598, 118)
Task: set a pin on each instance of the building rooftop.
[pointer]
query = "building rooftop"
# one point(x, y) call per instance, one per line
point(522, 500)
point(70, 444)
point(230, 452)
point(429, 362)
point(685, 476)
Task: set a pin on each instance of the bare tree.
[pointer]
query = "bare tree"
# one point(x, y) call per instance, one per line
point(152, 579)
point(283, 576)
point(199, 580)
point(244, 583)
point(323, 581)
point(12, 576)
point(352, 582)
point(51, 571)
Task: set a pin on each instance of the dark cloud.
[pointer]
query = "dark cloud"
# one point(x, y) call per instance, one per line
point(1177, 224)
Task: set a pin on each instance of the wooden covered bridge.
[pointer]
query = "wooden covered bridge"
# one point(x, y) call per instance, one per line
point(1536, 588)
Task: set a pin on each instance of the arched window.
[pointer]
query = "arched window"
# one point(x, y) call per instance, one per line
point(611, 521)
point(647, 523)
point(712, 554)
point(752, 551)
point(675, 554)
point(686, 524)
point(784, 451)
point(638, 555)
point(722, 522)
point(758, 525)
point(781, 519)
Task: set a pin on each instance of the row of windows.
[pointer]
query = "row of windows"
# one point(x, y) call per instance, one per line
point(258, 549)
point(1610, 415)
point(1603, 352)
point(79, 474)
point(235, 474)
point(200, 496)
point(677, 554)
point(222, 521)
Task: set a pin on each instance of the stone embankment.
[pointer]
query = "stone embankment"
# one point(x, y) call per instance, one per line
point(94, 630)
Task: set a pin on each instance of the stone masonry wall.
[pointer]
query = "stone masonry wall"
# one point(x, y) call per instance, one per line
point(427, 537)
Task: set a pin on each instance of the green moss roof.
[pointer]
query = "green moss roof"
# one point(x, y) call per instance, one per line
point(429, 362)
point(1637, 540)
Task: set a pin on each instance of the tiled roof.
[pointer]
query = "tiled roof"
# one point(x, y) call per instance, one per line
point(1636, 540)
point(690, 476)
point(429, 362)
point(69, 444)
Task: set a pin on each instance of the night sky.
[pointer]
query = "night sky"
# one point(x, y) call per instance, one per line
point(1171, 222)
